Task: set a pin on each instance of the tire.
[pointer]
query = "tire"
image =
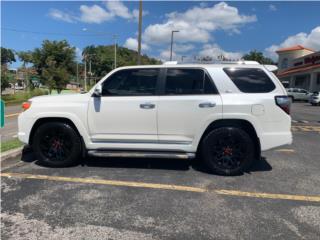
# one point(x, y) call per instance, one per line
point(228, 151)
point(56, 144)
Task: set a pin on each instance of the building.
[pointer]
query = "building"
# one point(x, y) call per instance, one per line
point(299, 67)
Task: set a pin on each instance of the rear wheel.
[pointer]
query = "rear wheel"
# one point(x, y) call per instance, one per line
point(56, 144)
point(228, 150)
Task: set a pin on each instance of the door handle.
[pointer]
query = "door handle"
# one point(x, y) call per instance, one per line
point(147, 105)
point(207, 105)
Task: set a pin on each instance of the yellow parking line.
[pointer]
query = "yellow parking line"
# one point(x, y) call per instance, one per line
point(11, 115)
point(165, 187)
point(285, 150)
point(270, 195)
point(106, 182)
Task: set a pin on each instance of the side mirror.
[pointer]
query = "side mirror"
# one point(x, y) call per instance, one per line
point(97, 91)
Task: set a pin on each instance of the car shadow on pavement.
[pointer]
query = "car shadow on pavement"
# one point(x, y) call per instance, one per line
point(261, 165)
point(148, 163)
point(139, 163)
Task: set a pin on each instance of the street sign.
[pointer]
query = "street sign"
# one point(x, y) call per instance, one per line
point(2, 114)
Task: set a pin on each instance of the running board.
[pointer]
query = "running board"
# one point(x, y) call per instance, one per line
point(135, 154)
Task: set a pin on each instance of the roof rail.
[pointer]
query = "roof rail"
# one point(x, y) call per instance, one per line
point(213, 62)
point(170, 63)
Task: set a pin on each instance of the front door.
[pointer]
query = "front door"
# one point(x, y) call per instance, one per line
point(127, 110)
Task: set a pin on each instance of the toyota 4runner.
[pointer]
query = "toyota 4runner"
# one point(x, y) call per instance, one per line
point(225, 114)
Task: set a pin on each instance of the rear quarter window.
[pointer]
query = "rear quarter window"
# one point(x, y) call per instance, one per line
point(250, 80)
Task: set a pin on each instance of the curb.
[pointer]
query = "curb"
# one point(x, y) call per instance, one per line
point(11, 153)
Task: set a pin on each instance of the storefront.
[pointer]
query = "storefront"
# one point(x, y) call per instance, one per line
point(299, 67)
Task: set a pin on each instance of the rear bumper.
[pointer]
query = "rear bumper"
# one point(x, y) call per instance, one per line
point(273, 140)
point(314, 100)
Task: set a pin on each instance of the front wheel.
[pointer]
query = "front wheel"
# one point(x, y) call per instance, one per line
point(228, 150)
point(56, 144)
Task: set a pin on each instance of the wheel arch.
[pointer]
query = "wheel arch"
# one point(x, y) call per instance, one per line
point(245, 125)
point(44, 120)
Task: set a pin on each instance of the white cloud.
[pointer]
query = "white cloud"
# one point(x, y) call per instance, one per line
point(132, 44)
point(94, 14)
point(311, 40)
point(165, 55)
point(183, 47)
point(98, 14)
point(273, 8)
point(214, 51)
point(196, 24)
point(118, 9)
point(61, 16)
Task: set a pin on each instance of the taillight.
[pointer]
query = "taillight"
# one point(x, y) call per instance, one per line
point(26, 105)
point(284, 102)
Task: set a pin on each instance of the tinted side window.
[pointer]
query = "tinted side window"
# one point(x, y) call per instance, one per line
point(131, 82)
point(250, 80)
point(188, 82)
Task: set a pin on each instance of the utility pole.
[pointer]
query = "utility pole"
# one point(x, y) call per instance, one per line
point(90, 70)
point(172, 32)
point(139, 34)
point(85, 72)
point(115, 50)
point(77, 72)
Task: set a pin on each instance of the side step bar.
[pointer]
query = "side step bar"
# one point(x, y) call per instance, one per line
point(135, 154)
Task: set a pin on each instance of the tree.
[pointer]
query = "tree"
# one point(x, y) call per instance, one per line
point(102, 58)
point(25, 57)
point(259, 57)
point(7, 56)
point(55, 63)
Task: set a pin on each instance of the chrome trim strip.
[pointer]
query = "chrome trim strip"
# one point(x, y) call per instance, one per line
point(95, 140)
point(134, 154)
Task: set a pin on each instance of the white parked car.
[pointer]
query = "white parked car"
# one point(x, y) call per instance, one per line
point(298, 94)
point(315, 98)
point(224, 113)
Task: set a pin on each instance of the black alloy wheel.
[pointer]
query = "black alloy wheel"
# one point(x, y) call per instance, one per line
point(56, 144)
point(228, 150)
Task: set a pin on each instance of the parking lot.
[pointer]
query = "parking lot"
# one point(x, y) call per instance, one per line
point(169, 199)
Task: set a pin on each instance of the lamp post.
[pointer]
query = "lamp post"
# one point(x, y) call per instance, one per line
point(172, 32)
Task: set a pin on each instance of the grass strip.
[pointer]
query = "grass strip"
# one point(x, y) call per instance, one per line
point(11, 144)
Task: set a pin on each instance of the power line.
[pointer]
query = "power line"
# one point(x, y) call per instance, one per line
point(54, 33)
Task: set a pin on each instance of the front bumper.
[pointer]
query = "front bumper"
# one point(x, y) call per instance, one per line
point(24, 127)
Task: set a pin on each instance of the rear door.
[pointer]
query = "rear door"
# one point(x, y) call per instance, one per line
point(188, 101)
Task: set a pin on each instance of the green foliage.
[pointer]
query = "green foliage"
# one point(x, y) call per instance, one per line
point(258, 56)
point(11, 144)
point(20, 97)
point(102, 58)
point(7, 56)
point(4, 80)
point(25, 57)
point(54, 62)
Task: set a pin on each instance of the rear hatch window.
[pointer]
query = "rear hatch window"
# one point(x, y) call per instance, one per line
point(250, 80)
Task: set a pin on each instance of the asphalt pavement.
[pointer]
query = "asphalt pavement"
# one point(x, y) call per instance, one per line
point(279, 198)
point(10, 129)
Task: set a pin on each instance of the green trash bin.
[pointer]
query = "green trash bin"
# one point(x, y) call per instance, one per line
point(2, 114)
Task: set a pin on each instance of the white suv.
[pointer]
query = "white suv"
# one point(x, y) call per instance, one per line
point(224, 113)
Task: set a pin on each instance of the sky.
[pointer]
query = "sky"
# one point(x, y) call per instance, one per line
point(206, 28)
